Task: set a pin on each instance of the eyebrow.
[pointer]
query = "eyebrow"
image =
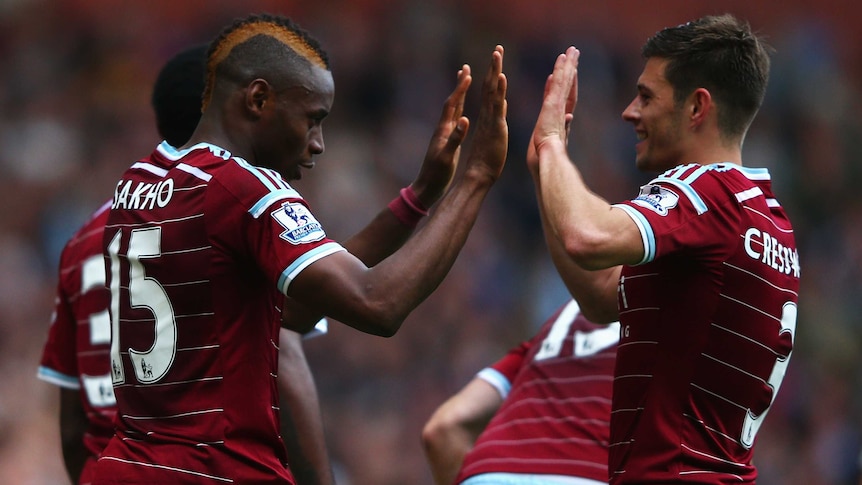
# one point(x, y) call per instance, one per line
point(643, 88)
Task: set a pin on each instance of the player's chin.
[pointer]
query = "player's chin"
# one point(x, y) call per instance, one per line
point(293, 173)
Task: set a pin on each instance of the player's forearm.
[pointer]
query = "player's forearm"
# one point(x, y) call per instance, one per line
point(595, 291)
point(384, 235)
point(583, 222)
point(455, 426)
point(73, 425)
point(301, 422)
point(413, 273)
point(445, 461)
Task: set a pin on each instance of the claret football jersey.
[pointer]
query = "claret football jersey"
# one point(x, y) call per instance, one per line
point(708, 322)
point(200, 248)
point(75, 355)
point(557, 403)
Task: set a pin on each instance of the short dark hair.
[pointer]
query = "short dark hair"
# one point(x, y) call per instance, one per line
point(719, 53)
point(267, 46)
point(177, 95)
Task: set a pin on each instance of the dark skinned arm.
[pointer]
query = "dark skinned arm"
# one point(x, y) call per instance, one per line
point(377, 299)
point(73, 425)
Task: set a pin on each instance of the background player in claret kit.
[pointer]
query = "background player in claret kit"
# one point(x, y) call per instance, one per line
point(204, 241)
point(701, 268)
point(538, 415)
point(75, 356)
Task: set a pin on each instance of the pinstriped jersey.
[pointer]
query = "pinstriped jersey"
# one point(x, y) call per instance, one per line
point(75, 355)
point(200, 248)
point(557, 402)
point(708, 321)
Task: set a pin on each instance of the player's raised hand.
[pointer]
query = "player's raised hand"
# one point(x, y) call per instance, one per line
point(558, 106)
point(441, 159)
point(491, 140)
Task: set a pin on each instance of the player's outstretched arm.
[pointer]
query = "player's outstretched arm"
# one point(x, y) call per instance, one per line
point(454, 427)
point(376, 300)
point(588, 239)
point(393, 225)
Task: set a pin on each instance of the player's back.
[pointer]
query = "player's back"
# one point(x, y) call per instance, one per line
point(76, 351)
point(707, 330)
point(555, 420)
point(196, 329)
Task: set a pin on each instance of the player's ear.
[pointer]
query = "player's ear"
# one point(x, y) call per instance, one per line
point(257, 96)
point(699, 106)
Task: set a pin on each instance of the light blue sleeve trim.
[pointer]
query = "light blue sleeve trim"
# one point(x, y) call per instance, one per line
point(57, 378)
point(267, 200)
point(696, 173)
point(320, 328)
point(496, 379)
point(304, 261)
point(688, 191)
point(505, 478)
point(647, 234)
point(752, 173)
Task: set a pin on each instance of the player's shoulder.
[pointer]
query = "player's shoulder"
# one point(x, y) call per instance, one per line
point(89, 234)
point(705, 185)
point(210, 163)
point(696, 176)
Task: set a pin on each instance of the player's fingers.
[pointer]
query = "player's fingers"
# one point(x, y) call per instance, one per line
point(454, 106)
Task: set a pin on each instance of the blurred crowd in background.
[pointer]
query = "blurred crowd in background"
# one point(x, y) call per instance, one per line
point(75, 80)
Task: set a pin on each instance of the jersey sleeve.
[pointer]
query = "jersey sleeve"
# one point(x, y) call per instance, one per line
point(501, 374)
point(278, 229)
point(683, 208)
point(59, 360)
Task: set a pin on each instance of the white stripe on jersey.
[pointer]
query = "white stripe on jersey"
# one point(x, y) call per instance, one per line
point(711, 429)
point(740, 406)
point(766, 314)
point(748, 194)
point(153, 223)
point(712, 457)
point(172, 383)
point(762, 279)
point(741, 371)
point(770, 219)
point(150, 168)
point(194, 171)
point(692, 472)
point(169, 468)
point(180, 415)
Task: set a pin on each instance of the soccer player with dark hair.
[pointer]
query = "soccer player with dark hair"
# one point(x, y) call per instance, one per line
point(540, 415)
point(204, 241)
point(75, 356)
point(700, 268)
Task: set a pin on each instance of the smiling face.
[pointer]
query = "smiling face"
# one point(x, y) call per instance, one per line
point(290, 132)
point(658, 121)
